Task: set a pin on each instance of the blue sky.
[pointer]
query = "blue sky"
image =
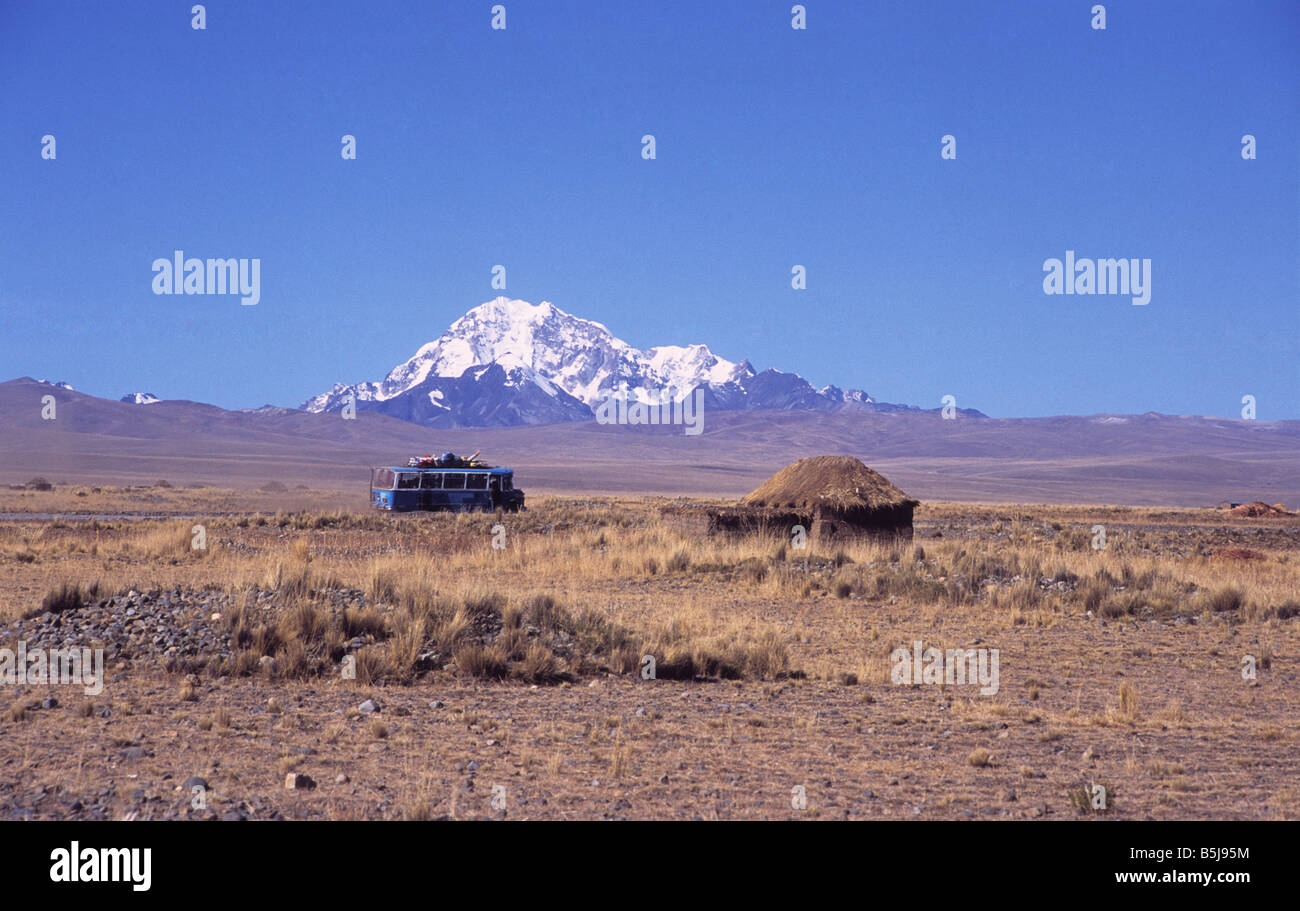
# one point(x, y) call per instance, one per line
point(775, 147)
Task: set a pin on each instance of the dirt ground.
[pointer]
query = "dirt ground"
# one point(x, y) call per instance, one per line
point(1160, 667)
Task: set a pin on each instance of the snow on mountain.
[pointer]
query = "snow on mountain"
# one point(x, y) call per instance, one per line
point(544, 345)
point(512, 362)
point(139, 398)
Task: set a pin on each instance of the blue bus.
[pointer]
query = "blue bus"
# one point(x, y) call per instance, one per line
point(445, 483)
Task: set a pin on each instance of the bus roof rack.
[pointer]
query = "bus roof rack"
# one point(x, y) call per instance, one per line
point(447, 460)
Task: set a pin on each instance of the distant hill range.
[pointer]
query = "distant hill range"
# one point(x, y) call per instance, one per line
point(509, 362)
point(1146, 459)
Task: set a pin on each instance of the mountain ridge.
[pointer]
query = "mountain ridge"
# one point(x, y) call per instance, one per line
point(1141, 460)
point(508, 362)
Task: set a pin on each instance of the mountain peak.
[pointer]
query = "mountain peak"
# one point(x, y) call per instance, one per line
point(554, 366)
point(140, 398)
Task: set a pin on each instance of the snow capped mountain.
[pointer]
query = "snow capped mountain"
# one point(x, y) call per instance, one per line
point(139, 398)
point(60, 384)
point(510, 362)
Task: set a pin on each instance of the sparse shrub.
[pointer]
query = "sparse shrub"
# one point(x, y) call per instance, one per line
point(543, 612)
point(448, 633)
point(484, 605)
point(679, 562)
point(1081, 797)
point(675, 663)
point(1128, 700)
point(540, 666)
point(1133, 579)
point(1229, 598)
point(483, 661)
point(361, 621)
point(752, 569)
point(65, 596)
point(306, 624)
point(247, 661)
point(406, 643)
point(266, 640)
point(372, 666)
point(768, 658)
point(293, 662)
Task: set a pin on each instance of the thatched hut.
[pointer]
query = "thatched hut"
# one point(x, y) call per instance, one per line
point(833, 497)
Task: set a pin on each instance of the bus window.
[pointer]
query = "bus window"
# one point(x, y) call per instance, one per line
point(476, 481)
point(408, 480)
point(431, 480)
point(506, 482)
point(453, 480)
point(381, 479)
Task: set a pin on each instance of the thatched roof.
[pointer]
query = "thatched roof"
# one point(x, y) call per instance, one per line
point(834, 482)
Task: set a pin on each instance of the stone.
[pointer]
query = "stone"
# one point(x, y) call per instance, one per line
point(296, 781)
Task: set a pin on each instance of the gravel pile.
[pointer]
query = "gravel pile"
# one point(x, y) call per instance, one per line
point(156, 625)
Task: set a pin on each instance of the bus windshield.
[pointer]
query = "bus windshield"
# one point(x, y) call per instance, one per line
point(382, 479)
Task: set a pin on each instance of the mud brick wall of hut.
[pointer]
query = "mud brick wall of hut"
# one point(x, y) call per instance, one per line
point(841, 525)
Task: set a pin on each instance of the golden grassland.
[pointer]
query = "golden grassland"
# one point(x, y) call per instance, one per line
point(1119, 665)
